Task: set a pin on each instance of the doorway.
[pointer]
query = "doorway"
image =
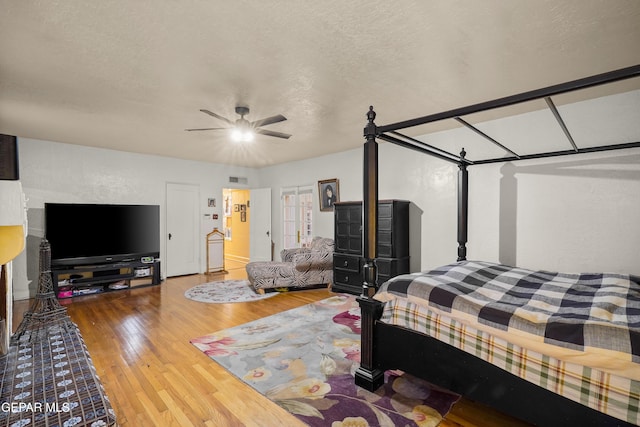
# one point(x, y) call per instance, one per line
point(246, 226)
point(236, 228)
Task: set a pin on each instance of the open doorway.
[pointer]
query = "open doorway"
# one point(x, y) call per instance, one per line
point(236, 228)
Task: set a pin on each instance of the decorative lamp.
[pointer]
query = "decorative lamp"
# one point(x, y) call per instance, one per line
point(13, 220)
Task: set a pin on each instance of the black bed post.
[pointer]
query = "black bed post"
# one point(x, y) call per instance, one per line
point(463, 199)
point(370, 205)
point(367, 375)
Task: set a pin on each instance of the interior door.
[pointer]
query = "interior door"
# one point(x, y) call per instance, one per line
point(183, 253)
point(260, 225)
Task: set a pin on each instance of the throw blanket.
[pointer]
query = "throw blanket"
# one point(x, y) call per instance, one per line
point(570, 310)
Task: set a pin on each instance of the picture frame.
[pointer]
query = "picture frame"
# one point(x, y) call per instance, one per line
point(236, 208)
point(228, 205)
point(243, 216)
point(328, 194)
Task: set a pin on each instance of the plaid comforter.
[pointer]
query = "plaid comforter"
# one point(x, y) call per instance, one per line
point(574, 311)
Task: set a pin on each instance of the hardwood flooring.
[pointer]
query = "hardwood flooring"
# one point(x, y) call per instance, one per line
point(139, 342)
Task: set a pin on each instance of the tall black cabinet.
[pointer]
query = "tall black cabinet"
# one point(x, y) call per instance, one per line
point(392, 247)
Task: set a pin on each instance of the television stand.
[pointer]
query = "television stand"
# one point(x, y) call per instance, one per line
point(82, 280)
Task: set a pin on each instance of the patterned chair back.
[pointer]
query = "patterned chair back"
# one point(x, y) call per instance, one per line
point(322, 244)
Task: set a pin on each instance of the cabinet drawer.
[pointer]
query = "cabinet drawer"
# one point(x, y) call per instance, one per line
point(385, 224)
point(385, 244)
point(385, 250)
point(346, 263)
point(347, 278)
point(385, 210)
point(342, 287)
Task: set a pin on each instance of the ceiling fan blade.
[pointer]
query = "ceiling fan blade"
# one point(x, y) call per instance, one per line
point(272, 133)
point(217, 116)
point(269, 120)
point(204, 129)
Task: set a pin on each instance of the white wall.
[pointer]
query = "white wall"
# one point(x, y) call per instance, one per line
point(64, 173)
point(403, 174)
point(571, 214)
point(568, 214)
point(308, 173)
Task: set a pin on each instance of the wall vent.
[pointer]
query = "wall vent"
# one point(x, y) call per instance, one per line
point(238, 180)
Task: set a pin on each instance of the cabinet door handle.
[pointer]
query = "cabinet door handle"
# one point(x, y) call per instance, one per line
point(346, 278)
point(346, 263)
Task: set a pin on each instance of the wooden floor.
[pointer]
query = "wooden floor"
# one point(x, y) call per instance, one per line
point(139, 342)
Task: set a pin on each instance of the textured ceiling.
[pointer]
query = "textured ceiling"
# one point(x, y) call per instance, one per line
point(132, 75)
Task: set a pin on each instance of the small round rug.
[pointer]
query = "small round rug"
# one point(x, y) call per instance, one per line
point(225, 291)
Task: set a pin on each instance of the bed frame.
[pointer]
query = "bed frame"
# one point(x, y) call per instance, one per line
point(429, 358)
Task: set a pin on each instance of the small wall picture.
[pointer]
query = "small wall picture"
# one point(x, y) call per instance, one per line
point(243, 216)
point(227, 205)
point(243, 208)
point(236, 208)
point(329, 193)
point(211, 203)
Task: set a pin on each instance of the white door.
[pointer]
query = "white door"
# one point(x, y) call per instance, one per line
point(183, 249)
point(260, 225)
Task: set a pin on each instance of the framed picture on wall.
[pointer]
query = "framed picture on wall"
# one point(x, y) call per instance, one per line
point(329, 193)
point(227, 205)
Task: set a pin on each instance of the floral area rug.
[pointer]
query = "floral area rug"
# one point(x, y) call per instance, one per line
point(226, 291)
point(305, 359)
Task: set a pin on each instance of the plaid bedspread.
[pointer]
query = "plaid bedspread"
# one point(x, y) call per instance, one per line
point(613, 394)
point(568, 310)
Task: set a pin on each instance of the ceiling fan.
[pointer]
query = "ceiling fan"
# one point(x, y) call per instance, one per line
point(244, 130)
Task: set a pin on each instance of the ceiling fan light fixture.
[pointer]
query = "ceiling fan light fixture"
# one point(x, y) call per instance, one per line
point(242, 135)
point(243, 130)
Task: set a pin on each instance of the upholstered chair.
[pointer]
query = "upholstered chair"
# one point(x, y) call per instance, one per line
point(299, 268)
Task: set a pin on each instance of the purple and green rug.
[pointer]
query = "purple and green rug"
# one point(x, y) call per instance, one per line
point(304, 360)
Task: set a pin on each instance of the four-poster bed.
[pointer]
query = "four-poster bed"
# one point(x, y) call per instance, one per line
point(453, 356)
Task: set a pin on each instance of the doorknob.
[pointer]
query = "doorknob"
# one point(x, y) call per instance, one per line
point(169, 236)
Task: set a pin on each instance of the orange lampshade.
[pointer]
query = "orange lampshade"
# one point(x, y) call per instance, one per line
point(11, 242)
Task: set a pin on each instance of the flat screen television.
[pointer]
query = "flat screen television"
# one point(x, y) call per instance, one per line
point(85, 234)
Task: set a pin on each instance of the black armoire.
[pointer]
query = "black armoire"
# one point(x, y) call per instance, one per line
point(392, 248)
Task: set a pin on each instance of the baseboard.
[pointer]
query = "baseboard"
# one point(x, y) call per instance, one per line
point(237, 258)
